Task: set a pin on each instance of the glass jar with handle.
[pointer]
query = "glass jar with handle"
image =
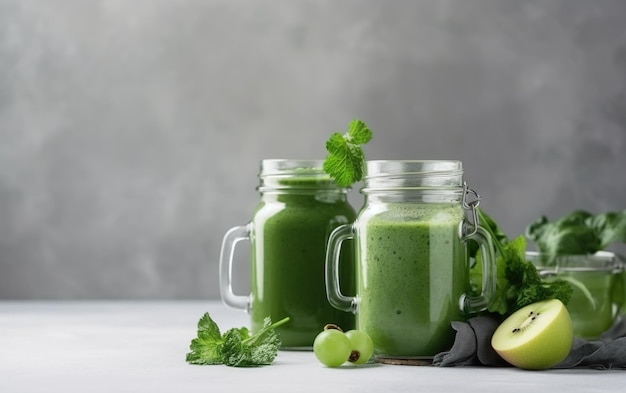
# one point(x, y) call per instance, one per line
point(299, 207)
point(412, 264)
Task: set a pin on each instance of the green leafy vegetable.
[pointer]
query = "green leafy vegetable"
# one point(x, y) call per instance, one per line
point(345, 162)
point(579, 232)
point(236, 347)
point(518, 283)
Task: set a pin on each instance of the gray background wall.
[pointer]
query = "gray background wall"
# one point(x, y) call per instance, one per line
point(130, 131)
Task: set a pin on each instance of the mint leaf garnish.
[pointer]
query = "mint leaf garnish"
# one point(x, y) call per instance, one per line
point(206, 348)
point(236, 347)
point(345, 162)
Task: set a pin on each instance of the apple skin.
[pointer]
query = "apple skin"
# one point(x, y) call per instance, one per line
point(543, 344)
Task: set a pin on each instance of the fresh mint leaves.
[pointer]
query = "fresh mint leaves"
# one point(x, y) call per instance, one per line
point(345, 162)
point(236, 347)
point(518, 283)
point(578, 232)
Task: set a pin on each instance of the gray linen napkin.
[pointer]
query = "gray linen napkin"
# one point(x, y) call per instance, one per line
point(472, 347)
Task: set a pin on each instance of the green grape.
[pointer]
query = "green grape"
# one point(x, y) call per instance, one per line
point(332, 347)
point(362, 346)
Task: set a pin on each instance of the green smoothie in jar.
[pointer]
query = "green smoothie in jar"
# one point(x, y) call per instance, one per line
point(412, 264)
point(290, 231)
point(299, 208)
point(409, 246)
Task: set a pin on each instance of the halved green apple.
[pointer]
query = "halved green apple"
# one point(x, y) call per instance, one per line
point(535, 337)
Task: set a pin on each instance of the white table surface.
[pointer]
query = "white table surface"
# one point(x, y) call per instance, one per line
point(121, 346)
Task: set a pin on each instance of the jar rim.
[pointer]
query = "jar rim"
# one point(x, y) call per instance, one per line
point(280, 166)
point(289, 175)
point(431, 176)
point(598, 261)
point(376, 168)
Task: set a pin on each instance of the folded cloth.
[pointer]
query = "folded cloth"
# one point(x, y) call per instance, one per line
point(472, 347)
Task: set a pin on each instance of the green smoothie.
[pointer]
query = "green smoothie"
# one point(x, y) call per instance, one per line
point(414, 270)
point(290, 230)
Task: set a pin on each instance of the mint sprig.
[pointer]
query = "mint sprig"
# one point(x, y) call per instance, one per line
point(236, 347)
point(345, 162)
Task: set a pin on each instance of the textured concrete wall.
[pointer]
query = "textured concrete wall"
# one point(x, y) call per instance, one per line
point(130, 131)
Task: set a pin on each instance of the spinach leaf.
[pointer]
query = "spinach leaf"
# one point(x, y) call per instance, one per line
point(579, 232)
point(610, 227)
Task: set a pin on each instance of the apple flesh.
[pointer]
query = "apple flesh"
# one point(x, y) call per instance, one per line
point(535, 337)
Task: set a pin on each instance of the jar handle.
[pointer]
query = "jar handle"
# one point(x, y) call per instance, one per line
point(473, 304)
point(231, 238)
point(333, 251)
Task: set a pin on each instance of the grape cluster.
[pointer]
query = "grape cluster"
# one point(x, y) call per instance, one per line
point(333, 347)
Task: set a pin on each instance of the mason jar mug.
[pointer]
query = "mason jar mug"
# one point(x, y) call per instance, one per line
point(412, 264)
point(299, 207)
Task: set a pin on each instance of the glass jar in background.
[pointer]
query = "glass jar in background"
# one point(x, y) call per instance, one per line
point(597, 288)
point(299, 208)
